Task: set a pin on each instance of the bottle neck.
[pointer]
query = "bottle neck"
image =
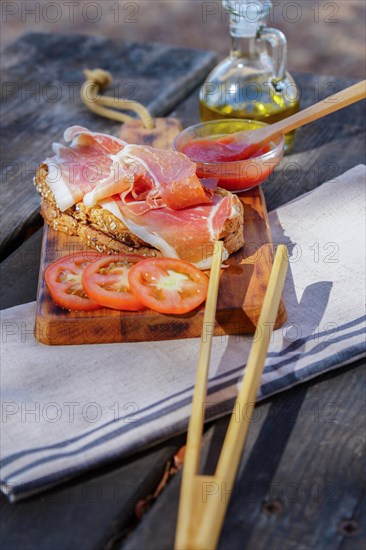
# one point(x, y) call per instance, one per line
point(243, 47)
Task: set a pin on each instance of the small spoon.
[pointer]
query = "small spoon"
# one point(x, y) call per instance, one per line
point(245, 144)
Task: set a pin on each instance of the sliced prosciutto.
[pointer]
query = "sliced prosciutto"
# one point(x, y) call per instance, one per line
point(161, 178)
point(75, 170)
point(126, 177)
point(174, 174)
point(187, 234)
point(155, 193)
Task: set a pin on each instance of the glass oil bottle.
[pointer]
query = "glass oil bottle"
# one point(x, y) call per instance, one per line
point(252, 82)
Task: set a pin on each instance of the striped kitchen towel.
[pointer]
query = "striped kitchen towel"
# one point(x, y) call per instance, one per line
point(71, 408)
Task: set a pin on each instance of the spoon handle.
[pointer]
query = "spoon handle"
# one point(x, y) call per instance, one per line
point(325, 107)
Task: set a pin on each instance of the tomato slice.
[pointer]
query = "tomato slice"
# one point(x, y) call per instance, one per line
point(63, 279)
point(168, 285)
point(106, 282)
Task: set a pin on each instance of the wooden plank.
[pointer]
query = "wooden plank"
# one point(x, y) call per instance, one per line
point(41, 77)
point(90, 513)
point(241, 293)
point(19, 273)
point(353, 526)
point(300, 477)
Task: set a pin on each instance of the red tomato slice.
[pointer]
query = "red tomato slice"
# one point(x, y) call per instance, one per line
point(63, 279)
point(106, 282)
point(168, 285)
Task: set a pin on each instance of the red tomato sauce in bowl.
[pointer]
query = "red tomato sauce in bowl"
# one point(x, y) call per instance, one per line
point(237, 169)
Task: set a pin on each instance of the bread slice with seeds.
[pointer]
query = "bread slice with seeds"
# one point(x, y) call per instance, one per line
point(100, 229)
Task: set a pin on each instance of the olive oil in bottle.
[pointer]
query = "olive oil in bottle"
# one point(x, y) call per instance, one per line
point(252, 82)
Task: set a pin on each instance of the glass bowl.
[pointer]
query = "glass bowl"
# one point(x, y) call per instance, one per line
point(239, 175)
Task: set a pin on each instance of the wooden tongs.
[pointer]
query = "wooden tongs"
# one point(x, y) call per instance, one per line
point(203, 498)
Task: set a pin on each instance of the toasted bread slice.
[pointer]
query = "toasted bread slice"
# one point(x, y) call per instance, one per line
point(100, 229)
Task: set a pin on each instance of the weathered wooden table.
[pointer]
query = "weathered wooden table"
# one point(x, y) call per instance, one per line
point(301, 483)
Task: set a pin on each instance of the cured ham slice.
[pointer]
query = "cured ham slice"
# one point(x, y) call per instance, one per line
point(111, 144)
point(75, 170)
point(127, 177)
point(174, 174)
point(187, 234)
point(155, 193)
point(161, 178)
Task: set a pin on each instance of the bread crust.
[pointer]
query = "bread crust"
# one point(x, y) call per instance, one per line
point(100, 229)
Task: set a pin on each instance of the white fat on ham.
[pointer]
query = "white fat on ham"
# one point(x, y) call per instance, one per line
point(112, 144)
point(120, 180)
point(76, 169)
point(140, 231)
point(58, 185)
point(187, 234)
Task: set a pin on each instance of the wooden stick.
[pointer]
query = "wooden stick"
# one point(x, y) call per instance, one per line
point(204, 499)
point(195, 428)
point(314, 112)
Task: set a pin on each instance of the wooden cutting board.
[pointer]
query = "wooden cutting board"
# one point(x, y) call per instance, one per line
point(241, 292)
point(242, 288)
